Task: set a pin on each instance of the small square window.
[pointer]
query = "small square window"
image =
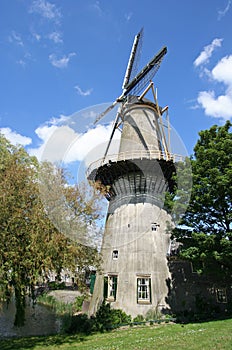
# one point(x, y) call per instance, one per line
point(115, 254)
point(221, 295)
point(154, 226)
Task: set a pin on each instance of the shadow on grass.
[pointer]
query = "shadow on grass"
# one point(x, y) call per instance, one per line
point(43, 341)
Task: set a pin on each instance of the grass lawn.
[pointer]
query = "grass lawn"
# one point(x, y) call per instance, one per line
point(207, 335)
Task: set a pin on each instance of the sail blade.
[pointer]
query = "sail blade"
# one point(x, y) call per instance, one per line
point(107, 110)
point(146, 74)
point(133, 59)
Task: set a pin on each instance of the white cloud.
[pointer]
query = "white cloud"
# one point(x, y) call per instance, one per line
point(207, 52)
point(83, 93)
point(90, 146)
point(222, 72)
point(222, 13)
point(15, 38)
point(61, 62)
point(219, 106)
point(44, 132)
point(61, 143)
point(15, 138)
point(46, 10)
point(56, 37)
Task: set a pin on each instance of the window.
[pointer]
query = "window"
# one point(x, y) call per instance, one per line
point(154, 226)
point(115, 254)
point(110, 287)
point(144, 290)
point(221, 295)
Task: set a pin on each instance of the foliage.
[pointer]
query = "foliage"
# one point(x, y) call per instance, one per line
point(206, 228)
point(153, 314)
point(78, 324)
point(31, 245)
point(139, 318)
point(177, 199)
point(55, 285)
point(105, 319)
point(78, 303)
point(59, 307)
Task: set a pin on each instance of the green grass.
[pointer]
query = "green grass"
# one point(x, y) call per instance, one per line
point(204, 336)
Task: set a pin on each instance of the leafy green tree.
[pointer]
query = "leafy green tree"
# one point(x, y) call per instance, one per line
point(31, 246)
point(206, 227)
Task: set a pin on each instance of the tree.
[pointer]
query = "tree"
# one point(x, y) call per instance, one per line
point(206, 227)
point(31, 246)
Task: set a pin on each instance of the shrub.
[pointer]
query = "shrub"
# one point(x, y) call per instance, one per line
point(105, 319)
point(138, 318)
point(153, 314)
point(78, 324)
point(77, 305)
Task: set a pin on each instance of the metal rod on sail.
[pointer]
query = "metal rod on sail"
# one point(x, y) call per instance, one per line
point(156, 60)
point(142, 75)
point(100, 116)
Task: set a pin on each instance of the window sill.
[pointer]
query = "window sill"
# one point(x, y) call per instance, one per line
point(110, 299)
point(143, 302)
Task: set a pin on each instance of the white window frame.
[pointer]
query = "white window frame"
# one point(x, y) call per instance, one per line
point(112, 283)
point(144, 289)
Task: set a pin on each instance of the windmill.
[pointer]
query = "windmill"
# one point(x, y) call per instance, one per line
point(134, 181)
point(133, 84)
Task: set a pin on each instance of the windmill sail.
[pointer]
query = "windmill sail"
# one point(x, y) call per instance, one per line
point(146, 74)
point(140, 80)
point(134, 59)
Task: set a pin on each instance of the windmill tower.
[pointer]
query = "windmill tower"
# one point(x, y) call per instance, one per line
point(134, 181)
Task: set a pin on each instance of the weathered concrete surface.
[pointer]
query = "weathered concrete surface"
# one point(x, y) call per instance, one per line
point(65, 296)
point(136, 205)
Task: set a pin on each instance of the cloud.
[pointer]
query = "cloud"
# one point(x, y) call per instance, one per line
point(15, 38)
point(222, 72)
point(219, 106)
point(59, 142)
point(45, 9)
point(91, 145)
point(61, 62)
point(44, 133)
point(81, 92)
point(207, 52)
point(15, 138)
point(56, 37)
point(222, 13)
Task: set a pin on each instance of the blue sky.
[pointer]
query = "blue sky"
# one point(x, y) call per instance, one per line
point(61, 56)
